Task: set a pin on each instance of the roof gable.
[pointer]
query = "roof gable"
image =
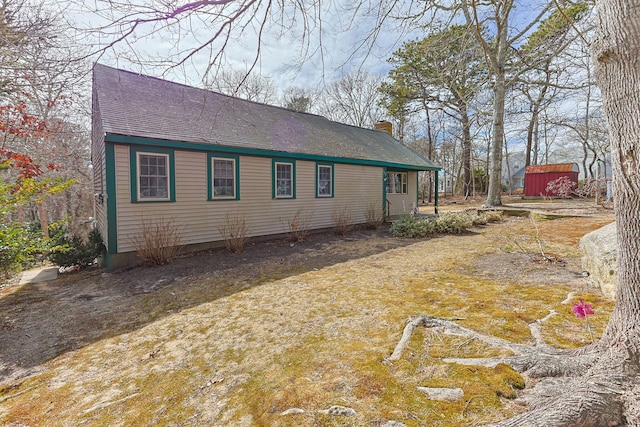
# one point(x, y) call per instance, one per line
point(140, 106)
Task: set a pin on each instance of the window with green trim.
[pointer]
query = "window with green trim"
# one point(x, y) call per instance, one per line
point(324, 181)
point(223, 173)
point(153, 176)
point(284, 179)
point(397, 183)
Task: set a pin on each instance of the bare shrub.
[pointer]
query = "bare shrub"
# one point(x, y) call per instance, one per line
point(591, 187)
point(158, 242)
point(299, 225)
point(234, 230)
point(342, 220)
point(374, 215)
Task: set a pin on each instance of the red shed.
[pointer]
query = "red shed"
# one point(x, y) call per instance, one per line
point(537, 177)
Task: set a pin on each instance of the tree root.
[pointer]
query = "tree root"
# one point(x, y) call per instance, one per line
point(576, 387)
point(448, 327)
point(536, 361)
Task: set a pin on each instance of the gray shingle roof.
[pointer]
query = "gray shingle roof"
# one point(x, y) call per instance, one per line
point(131, 104)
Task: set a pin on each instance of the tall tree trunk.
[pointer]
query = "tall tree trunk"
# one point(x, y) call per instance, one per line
point(536, 141)
point(507, 163)
point(429, 152)
point(529, 149)
point(495, 168)
point(466, 148)
point(498, 64)
point(532, 128)
point(616, 51)
point(607, 393)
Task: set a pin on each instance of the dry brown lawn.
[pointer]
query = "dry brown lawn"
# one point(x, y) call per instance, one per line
point(235, 340)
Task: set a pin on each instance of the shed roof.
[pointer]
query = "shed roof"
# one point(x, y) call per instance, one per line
point(557, 167)
point(141, 106)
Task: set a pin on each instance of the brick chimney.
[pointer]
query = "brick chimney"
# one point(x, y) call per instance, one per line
point(384, 126)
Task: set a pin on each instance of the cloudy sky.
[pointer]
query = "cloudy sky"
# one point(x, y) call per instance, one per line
point(288, 54)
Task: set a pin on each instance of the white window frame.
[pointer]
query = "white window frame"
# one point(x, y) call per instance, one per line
point(291, 180)
point(139, 176)
point(233, 177)
point(330, 181)
point(404, 183)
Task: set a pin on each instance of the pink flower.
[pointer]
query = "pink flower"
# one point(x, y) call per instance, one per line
point(582, 309)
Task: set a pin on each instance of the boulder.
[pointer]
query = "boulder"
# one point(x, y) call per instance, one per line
point(442, 394)
point(337, 410)
point(600, 258)
point(293, 411)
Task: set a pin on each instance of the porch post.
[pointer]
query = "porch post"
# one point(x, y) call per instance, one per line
point(435, 195)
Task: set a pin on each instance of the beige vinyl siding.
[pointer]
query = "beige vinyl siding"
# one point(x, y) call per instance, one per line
point(188, 212)
point(99, 176)
point(199, 219)
point(404, 203)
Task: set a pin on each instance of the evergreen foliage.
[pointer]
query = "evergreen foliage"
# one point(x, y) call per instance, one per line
point(68, 250)
point(447, 223)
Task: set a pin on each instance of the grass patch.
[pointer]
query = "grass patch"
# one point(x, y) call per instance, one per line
point(240, 348)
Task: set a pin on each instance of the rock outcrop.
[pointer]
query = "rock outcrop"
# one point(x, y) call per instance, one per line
point(600, 258)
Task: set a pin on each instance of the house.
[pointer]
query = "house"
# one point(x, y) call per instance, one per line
point(536, 177)
point(517, 179)
point(445, 182)
point(511, 163)
point(164, 151)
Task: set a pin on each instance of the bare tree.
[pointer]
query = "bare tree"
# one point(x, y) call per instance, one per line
point(24, 28)
point(597, 385)
point(206, 30)
point(353, 99)
point(501, 35)
point(592, 386)
point(584, 124)
point(543, 83)
point(245, 85)
point(46, 84)
point(298, 99)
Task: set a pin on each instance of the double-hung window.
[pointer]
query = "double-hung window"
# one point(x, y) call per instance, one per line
point(397, 183)
point(223, 177)
point(152, 176)
point(284, 179)
point(324, 180)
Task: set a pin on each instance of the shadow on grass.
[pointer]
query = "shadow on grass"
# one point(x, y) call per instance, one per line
point(41, 321)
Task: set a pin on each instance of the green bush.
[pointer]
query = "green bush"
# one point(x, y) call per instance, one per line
point(449, 223)
point(67, 250)
point(453, 223)
point(410, 226)
point(21, 246)
point(8, 256)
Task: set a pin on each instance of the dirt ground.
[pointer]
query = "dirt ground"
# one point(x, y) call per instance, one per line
point(46, 326)
point(41, 321)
